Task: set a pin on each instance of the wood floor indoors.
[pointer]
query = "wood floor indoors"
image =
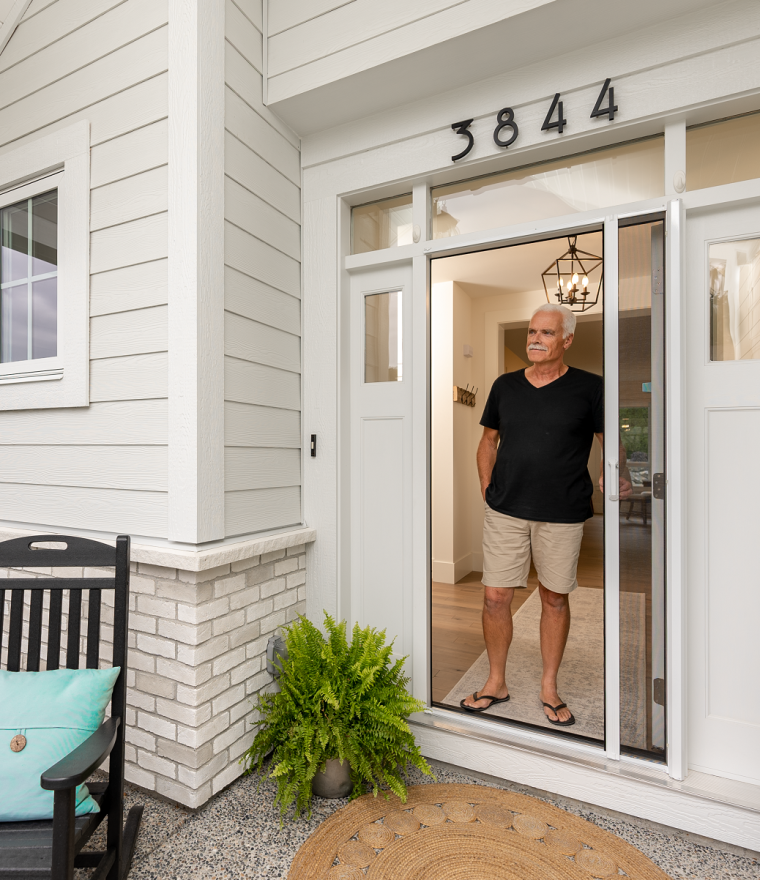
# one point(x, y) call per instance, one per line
point(457, 635)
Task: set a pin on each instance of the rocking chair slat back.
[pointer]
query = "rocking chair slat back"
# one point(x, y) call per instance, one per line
point(54, 629)
point(74, 626)
point(35, 632)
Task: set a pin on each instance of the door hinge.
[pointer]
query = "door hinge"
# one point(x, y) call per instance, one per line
point(658, 691)
point(658, 486)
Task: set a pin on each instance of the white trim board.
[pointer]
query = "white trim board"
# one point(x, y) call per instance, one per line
point(697, 804)
point(10, 24)
point(196, 270)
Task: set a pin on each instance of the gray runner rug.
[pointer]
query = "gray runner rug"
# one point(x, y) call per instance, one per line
point(581, 676)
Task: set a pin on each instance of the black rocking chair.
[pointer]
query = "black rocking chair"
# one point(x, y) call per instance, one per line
point(52, 848)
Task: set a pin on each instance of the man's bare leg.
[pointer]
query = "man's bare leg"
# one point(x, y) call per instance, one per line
point(555, 625)
point(497, 632)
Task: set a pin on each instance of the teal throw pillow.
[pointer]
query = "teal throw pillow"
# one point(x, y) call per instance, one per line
point(48, 714)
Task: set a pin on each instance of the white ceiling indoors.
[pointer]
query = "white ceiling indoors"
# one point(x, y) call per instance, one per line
point(518, 268)
point(509, 269)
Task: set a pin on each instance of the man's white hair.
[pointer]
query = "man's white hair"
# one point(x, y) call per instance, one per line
point(568, 318)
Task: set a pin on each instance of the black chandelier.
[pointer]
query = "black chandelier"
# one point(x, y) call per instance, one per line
point(568, 279)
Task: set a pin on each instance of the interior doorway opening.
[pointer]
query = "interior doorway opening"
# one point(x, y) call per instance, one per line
point(481, 305)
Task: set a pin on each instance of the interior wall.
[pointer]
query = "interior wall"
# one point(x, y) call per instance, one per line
point(453, 461)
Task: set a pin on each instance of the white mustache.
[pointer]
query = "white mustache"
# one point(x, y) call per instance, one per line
point(535, 346)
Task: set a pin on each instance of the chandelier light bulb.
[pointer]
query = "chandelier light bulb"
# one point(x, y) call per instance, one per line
point(585, 283)
point(575, 279)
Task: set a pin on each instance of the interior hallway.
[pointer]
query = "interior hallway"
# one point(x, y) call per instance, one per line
point(457, 635)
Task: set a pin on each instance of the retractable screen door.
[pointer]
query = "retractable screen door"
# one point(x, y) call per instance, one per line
point(635, 486)
point(380, 527)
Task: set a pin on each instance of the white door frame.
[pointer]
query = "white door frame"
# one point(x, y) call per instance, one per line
point(676, 211)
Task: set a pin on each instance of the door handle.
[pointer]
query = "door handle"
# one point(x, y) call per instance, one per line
point(614, 469)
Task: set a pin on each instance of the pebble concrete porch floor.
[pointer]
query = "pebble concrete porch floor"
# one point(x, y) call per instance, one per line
point(238, 835)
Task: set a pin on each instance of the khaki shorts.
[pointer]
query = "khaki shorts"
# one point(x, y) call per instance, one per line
point(508, 544)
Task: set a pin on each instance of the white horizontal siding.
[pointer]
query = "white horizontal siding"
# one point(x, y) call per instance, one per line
point(243, 34)
point(107, 510)
point(253, 299)
point(261, 468)
point(133, 287)
point(246, 425)
point(119, 467)
point(128, 244)
point(287, 14)
point(256, 258)
point(138, 61)
point(344, 26)
point(243, 78)
point(138, 196)
point(123, 333)
point(247, 382)
point(262, 344)
point(258, 510)
point(104, 34)
point(262, 137)
point(130, 154)
point(131, 377)
point(260, 219)
point(246, 167)
point(101, 467)
point(133, 422)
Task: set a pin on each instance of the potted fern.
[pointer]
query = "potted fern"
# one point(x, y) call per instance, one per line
point(338, 701)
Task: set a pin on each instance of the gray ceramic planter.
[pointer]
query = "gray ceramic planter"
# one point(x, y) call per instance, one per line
point(335, 781)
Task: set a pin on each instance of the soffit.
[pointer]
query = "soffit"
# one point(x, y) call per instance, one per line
point(366, 87)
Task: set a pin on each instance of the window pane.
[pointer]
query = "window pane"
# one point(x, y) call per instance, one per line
point(725, 152)
point(735, 300)
point(14, 324)
point(381, 225)
point(14, 222)
point(45, 318)
point(382, 337)
point(45, 233)
point(628, 173)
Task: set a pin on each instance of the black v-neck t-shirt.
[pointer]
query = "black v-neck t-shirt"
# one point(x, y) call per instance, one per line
point(545, 437)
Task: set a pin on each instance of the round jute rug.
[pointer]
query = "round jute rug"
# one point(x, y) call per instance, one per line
point(464, 832)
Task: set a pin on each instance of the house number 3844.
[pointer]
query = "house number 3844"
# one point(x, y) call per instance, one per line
point(506, 131)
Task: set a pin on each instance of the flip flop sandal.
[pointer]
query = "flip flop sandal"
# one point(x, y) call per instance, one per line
point(494, 701)
point(570, 721)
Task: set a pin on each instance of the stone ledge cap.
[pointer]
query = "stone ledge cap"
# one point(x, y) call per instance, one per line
point(191, 560)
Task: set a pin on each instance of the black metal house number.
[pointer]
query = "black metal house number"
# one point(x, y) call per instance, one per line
point(506, 131)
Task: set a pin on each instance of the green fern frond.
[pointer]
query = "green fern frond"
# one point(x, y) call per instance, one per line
point(337, 699)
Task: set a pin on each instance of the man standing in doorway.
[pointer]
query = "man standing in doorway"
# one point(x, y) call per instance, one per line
point(538, 427)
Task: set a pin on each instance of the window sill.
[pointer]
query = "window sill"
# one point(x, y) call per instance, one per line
point(31, 376)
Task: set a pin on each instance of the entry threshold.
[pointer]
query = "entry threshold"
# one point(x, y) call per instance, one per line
point(714, 807)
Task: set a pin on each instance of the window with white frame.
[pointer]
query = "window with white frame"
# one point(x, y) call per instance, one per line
point(29, 279)
point(45, 271)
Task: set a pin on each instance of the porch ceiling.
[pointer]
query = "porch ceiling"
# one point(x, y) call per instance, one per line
point(551, 29)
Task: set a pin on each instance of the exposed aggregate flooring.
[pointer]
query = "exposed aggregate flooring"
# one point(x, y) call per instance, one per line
point(238, 835)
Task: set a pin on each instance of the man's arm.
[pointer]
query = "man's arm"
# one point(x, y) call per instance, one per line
point(487, 448)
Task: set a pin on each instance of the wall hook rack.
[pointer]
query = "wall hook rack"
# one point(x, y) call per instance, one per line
point(465, 395)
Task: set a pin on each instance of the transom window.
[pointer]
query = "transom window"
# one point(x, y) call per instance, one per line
point(29, 279)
